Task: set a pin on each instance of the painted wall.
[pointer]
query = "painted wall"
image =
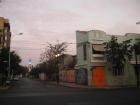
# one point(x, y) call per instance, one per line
point(63, 75)
point(99, 37)
point(128, 79)
point(81, 76)
point(71, 76)
point(2, 23)
point(68, 76)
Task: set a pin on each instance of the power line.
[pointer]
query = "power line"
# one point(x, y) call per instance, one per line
point(28, 48)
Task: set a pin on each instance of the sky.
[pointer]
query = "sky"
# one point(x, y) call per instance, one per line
point(43, 21)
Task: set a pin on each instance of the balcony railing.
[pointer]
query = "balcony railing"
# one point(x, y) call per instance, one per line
point(98, 56)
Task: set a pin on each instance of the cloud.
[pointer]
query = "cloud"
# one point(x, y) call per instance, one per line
point(122, 28)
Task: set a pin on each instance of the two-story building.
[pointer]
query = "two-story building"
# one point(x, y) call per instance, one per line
point(92, 67)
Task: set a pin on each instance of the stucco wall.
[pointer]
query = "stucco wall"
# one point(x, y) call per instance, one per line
point(128, 79)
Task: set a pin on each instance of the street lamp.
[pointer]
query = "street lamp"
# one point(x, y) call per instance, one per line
point(57, 75)
point(10, 56)
point(138, 22)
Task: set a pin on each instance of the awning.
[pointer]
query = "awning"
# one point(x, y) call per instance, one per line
point(98, 47)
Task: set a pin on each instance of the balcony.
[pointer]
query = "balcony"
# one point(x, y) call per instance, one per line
point(98, 56)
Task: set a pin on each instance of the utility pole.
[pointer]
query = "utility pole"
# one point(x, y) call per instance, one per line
point(10, 56)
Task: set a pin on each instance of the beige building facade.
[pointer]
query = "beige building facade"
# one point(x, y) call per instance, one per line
point(5, 34)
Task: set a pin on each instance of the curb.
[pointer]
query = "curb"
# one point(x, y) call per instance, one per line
point(70, 86)
point(86, 87)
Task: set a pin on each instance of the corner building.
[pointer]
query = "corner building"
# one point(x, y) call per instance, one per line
point(92, 67)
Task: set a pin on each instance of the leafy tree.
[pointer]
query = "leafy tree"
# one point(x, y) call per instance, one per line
point(136, 49)
point(117, 53)
point(52, 50)
point(48, 60)
point(4, 58)
point(4, 62)
point(23, 70)
point(127, 49)
point(35, 72)
point(14, 62)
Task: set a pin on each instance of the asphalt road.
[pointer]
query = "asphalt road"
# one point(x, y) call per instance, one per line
point(34, 92)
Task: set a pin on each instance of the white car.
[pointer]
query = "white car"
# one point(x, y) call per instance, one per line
point(16, 78)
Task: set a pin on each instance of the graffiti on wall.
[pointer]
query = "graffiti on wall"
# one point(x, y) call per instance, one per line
point(67, 76)
point(82, 76)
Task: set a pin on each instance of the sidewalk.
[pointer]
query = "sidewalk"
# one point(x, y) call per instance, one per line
point(74, 85)
point(67, 84)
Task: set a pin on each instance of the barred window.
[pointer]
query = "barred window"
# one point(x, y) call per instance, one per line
point(118, 72)
point(84, 52)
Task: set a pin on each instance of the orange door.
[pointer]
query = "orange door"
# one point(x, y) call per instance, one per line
point(98, 77)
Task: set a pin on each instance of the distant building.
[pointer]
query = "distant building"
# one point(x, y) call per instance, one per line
point(66, 61)
point(30, 66)
point(66, 66)
point(5, 34)
point(92, 65)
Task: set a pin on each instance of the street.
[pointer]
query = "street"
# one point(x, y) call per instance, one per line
point(35, 92)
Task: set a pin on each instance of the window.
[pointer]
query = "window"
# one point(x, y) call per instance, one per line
point(0, 30)
point(98, 49)
point(118, 72)
point(97, 52)
point(0, 40)
point(84, 52)
point(5, 44)
point(5, 31)
point(5, 37)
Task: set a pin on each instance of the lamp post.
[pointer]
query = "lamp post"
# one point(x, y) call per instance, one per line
point(57, 75)
point(138, 22)
point(10, 56)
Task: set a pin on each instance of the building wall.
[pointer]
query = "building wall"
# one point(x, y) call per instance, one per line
point(127, 79)
point(81, 39)
point(68, 76)
point(98, 60)
point(43, 76)
point(65, 61)
point(81, 76)
point(5, 34)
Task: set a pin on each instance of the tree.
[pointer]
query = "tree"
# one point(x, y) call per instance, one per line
point(4, 58)
point(136, 49)
point(14, 62)
point(49, 61)
point(117, 53)
point(51, 50)
point(23, 70)
point(4, 62)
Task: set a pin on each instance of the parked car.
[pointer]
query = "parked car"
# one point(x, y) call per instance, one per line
point(16, 78)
